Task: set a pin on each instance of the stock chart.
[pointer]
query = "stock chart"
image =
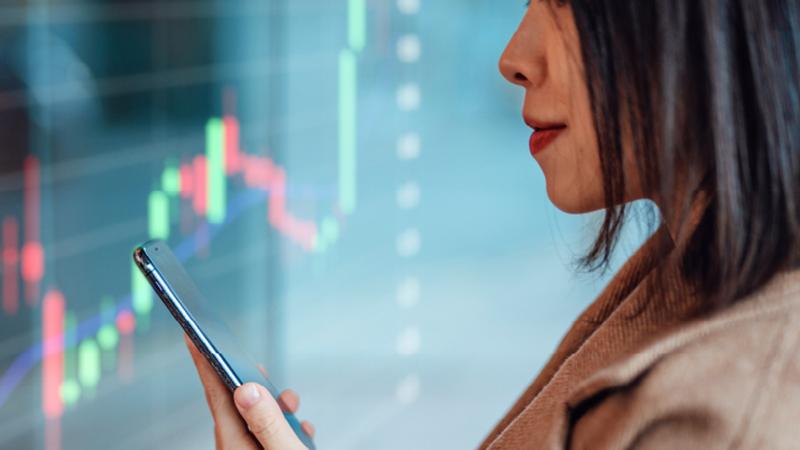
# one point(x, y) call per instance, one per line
point(349, 178)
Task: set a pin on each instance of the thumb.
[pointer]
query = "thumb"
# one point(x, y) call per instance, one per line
point(264, 418)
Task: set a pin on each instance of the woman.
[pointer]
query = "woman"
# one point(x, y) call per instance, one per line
point(695, 344)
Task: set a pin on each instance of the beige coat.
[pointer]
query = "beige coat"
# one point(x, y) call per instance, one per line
point(644, 368)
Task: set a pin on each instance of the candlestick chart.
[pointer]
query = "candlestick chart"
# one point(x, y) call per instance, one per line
point(60, 349)
point(348, 181)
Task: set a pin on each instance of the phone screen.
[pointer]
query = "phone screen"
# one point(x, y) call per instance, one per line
point(211, 325)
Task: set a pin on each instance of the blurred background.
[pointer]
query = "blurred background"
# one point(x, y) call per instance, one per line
point(351, 178)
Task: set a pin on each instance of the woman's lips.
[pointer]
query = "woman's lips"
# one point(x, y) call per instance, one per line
point(542, 137)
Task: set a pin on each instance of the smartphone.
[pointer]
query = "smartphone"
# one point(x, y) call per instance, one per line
point(209, 332)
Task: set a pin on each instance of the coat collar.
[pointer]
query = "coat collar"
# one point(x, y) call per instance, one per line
point(665, 318)
point(544, 421)
point(615, 293)
point(631, 308)
point(645, 313)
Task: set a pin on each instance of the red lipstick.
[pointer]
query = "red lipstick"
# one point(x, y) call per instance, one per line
point(542, 137)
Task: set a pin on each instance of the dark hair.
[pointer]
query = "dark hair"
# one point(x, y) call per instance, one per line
point(707, 92)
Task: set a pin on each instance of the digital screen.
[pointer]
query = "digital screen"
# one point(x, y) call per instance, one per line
point(349, 178)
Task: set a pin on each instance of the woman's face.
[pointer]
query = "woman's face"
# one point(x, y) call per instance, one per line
point(544, 58)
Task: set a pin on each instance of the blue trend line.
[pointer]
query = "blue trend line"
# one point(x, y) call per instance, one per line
point(28, 359)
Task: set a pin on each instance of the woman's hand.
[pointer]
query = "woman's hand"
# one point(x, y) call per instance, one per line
point(250, 408)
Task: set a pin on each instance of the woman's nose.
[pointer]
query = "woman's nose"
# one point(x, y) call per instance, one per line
point(522, 63)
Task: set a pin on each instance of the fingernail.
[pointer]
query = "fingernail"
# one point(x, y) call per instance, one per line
point(247, 396)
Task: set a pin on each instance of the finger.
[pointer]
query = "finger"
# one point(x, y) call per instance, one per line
point(308, 428)
point(289, 401)
point(265, 419)
point(217, 393)
point(228, 426)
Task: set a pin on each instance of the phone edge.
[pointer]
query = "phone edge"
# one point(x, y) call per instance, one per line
point(184, 318)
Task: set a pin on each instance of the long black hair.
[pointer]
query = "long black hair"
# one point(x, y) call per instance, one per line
point(707, 93)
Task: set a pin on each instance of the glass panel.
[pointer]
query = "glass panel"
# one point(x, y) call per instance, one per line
point(349, 177)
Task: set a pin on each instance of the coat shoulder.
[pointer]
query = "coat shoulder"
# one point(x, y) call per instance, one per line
point(736, 385)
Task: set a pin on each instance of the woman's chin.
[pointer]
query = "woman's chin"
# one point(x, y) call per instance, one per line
point(568, 201)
